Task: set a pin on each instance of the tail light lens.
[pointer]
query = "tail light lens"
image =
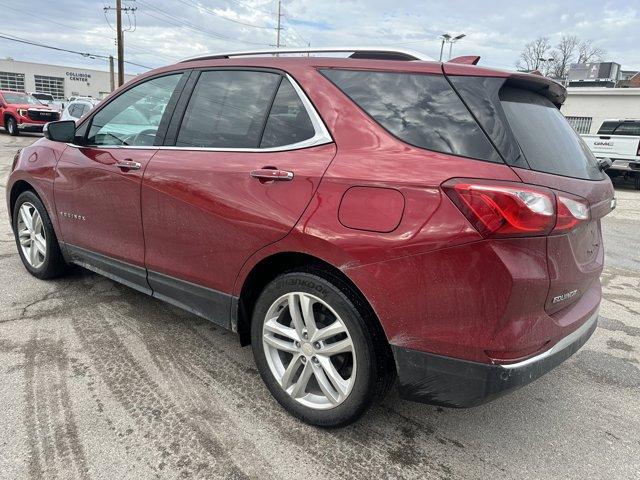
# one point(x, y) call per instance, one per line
point(571, 213)
point(509, 209)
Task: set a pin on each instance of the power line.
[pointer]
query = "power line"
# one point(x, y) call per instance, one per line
point(171, 19)
point(212, 12)
point(83, 54)
point(83, 30)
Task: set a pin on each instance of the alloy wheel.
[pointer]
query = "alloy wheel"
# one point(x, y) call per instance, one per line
point(309, 350)
point(31, 235)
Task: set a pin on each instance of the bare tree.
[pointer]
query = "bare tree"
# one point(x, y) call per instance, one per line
point(588, 52)
point(563, 56)
point(532, 53)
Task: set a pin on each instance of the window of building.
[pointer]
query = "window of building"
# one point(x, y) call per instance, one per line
point(12, 81)
point(581, 125)
point(51, 85)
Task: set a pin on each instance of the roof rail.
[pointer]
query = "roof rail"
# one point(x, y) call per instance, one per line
point(376, 53)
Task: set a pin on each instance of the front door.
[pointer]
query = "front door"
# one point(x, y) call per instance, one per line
point(97, 192)
point(246, 160)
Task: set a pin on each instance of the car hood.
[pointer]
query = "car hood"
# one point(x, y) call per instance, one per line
point(29, 105)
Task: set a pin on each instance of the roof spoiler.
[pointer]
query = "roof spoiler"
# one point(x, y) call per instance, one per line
point(544, 86)
point(466, 60)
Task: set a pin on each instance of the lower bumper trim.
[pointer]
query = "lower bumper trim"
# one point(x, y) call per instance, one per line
point(451, 382)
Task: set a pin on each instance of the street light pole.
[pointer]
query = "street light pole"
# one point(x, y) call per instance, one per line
point(454, 40)
point(445, 38)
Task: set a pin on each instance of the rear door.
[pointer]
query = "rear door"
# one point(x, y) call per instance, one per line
point(243, 156)
point(97, 191)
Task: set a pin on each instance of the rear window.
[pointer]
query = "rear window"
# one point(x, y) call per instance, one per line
point(546, 139)
point(420, 109)
point(607, 128)
point(628, 128)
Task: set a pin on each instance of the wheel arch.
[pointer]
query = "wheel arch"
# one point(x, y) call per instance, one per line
point(276, 264)
point(17, 188)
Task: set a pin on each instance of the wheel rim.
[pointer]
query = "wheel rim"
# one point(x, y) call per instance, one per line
point(31, 236)
point(309, 350)
point(10, 126)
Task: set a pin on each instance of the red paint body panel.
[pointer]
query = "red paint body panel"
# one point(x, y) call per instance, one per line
point(371, 208)
point(37, 166)
point(204, 215)
point(90, 185)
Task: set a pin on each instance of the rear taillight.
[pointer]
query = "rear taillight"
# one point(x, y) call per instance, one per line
point(571, 213)
point(509, 209)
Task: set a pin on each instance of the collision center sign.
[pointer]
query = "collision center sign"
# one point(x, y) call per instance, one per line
point(78, 77)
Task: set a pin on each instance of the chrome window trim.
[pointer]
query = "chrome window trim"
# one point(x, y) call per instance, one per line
point(321, 136)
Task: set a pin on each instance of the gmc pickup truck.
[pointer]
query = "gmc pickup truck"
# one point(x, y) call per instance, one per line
point(618, 140)
point(22, 112)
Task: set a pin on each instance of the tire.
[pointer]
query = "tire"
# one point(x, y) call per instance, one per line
point(47, 261)
point(636, 181)
point(11, 126)
point(365, 373)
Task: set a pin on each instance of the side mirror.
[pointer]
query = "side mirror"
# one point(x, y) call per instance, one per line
point(604, 163)
point(60, 131)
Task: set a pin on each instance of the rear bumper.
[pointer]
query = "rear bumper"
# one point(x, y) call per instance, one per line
point(625, 165)
point(452, 382)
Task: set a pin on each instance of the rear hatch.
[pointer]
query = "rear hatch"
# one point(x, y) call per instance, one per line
point(520, 115)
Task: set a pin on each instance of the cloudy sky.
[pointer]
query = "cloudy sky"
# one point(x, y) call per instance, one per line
point(168, 30)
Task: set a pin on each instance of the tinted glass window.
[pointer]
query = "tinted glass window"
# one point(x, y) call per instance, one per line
point(607, 128)
point(420, 109)
point(73, 111)
point(133, 117)
point(228, 109)
point(481, 94)
point(628, 128)
point(548, 142)
point(288, 121)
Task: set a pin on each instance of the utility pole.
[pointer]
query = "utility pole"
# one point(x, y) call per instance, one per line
point(279, 27)
point(120, 36)
point(112, 82)
point(120, 40)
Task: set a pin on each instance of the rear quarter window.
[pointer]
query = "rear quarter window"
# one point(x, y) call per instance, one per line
point(546, 139)
point(420, 109)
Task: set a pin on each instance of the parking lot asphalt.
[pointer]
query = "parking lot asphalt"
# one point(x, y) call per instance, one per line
point(98, 381)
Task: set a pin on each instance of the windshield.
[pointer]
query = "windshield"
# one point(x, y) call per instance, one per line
point(18, 97)
point(547, 140)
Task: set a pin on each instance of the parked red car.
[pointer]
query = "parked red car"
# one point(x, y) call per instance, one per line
point(353, 219)
point(23, 112)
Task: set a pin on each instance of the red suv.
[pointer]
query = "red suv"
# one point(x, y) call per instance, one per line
point(353, 219)
point(21, 111)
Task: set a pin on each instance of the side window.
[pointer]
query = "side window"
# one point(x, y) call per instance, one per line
point(134, 116)
point(420, 109)
point(228, 109)
point(288, 120)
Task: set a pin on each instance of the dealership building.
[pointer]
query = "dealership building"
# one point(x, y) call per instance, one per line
point(59, 81)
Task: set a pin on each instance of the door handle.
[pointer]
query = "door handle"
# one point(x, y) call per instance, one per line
point(271, 174)
point(128, 164)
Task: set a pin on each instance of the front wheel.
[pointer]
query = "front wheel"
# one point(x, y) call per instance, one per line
point(12, 126)
point(314, 350)
point(35, 238)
